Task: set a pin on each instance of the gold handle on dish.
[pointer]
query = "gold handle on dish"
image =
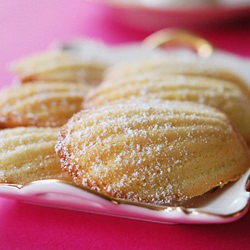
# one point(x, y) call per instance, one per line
point(248, 184)
point(172, 37)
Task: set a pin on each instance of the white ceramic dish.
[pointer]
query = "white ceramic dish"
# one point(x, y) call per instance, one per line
point(222, 205)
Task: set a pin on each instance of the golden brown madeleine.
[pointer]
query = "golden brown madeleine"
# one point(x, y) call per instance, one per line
point(59, 66)
point(217, 93)
point(27, 154)
point(166, 67)
point(152, 151)
point(40, 105)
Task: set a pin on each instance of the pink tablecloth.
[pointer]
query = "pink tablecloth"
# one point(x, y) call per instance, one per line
point(27, 26)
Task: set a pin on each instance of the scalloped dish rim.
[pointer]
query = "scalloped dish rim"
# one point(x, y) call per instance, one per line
point(180, 214)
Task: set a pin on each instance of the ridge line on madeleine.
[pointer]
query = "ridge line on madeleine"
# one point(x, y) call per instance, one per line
point(111, 150)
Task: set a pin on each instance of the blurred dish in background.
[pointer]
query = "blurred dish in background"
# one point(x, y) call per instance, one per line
point(156, 14)
point(179, 3)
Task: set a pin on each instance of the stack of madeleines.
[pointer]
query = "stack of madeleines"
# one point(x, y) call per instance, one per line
point(157, 132)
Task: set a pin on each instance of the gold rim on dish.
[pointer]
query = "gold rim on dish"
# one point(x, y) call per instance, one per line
point(116, 201)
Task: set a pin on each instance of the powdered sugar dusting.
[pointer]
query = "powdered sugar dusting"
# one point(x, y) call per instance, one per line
point(134, 150)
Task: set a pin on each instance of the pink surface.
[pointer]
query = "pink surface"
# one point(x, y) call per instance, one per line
point(27, 26)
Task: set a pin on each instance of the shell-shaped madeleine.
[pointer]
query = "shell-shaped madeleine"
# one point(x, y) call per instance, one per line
point(41, 105)
point(223, 95)
point(28, 154)
point(166, 67)
point(152, 151)
point(59, 66)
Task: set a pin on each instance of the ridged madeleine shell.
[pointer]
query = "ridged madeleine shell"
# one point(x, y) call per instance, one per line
point(168, 67)
point(41, 105)
point(58, 66)
point(152, 151)
point(28, 154)
point(223, 95)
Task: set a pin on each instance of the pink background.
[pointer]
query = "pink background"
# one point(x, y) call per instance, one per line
point(28, 26)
